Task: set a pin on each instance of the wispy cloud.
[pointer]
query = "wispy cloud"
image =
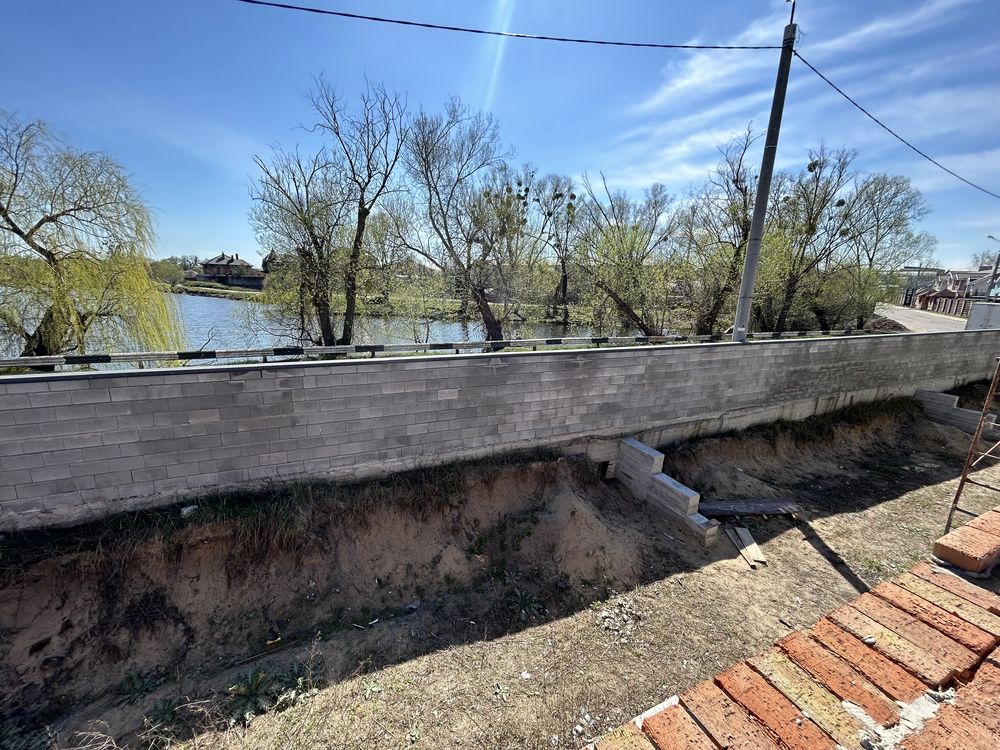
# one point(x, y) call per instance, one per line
point(919, 18)
point(703, 73)
point(714, 96)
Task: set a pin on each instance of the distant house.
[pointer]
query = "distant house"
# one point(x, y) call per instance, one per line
point(231, 271)
point(954, 291)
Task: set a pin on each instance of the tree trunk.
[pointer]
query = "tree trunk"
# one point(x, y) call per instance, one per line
point(45, 341)
point(494, 330)
point(564, 290)
point(705, 325)
point(351, 277)
point(325, 319)
point(628, 312)
point(781, 323)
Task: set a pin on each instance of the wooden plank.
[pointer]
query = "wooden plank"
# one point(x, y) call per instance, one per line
point(750, 544)
point(792, 728)
point(813, 700)
point(775, 507)
point(957, 605)
point(727, 723)
point(735, 539)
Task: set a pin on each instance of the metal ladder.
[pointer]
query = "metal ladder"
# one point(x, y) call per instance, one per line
point(975, 455)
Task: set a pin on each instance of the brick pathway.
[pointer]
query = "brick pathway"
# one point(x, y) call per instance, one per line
point(912, 665)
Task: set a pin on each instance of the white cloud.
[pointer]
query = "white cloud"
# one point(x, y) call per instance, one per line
point(898, 26)
point(981, 167)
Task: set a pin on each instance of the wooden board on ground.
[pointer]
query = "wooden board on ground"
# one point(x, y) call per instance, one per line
point(774, 507)
point(740, 547)
point(750, 544)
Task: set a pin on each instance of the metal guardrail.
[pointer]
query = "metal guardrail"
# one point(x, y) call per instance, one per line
point(375, 349)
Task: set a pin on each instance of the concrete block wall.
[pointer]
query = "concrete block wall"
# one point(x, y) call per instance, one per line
point(983, 315)
point(942, 408)
point(79, 445)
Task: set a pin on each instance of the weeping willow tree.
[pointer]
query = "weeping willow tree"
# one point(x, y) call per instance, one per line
point(74, 244)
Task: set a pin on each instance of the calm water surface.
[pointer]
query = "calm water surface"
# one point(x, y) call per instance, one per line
point(215, 323)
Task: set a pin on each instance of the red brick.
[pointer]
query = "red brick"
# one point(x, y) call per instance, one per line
point(785, 721)
point(929, 670)
point(968, 548)
point(949, 730)
point(822, 706)
point(979, 701)
point(839, 678)
point(674, 729)
point(958, 586)
point(957, 605)
point(954, 627)
point(934, 642)
point(727, 723)
point(988, 522)
point(627, 737)
point(885, 674)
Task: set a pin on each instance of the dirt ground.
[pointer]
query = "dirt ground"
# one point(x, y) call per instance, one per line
point(541, 608)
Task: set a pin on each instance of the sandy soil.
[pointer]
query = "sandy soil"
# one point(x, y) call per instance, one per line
point(544, 638)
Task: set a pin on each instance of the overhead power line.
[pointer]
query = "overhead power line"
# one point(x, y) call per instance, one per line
point(893, 133)
point(615, 43)
point(507, 34)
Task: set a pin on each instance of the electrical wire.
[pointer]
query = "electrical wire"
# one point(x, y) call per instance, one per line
point(893, 133)
point(613, 43)
point(508, 34)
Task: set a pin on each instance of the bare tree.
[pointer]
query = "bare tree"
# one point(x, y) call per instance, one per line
point(983, 259)
point(809, 225)
point(370, 142)
point(448, 157)
point(883, 239)
point(556, 204)
point(714, 229)
point(301, 205)
point(625, 248)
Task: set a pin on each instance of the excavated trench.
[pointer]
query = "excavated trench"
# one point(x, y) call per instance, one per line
point(102, 621)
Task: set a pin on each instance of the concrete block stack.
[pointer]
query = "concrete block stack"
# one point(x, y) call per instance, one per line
point(640, 469)
point(943, 409)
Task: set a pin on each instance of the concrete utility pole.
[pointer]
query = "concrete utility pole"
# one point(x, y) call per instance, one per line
point(752, 260)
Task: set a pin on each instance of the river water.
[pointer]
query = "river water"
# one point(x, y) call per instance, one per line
point(216, 323)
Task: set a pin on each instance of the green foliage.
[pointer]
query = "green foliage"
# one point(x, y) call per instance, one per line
point(259, 692)
point(74, 244)
point(166, 272)
point(136, 686)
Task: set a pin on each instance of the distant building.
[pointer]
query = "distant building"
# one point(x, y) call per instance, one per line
point(954, 291)
point(231, 271)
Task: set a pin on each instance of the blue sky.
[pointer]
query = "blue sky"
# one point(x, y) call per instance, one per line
point(185, 92)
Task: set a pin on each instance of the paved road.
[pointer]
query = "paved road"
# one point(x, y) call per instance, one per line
point(921, 321)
